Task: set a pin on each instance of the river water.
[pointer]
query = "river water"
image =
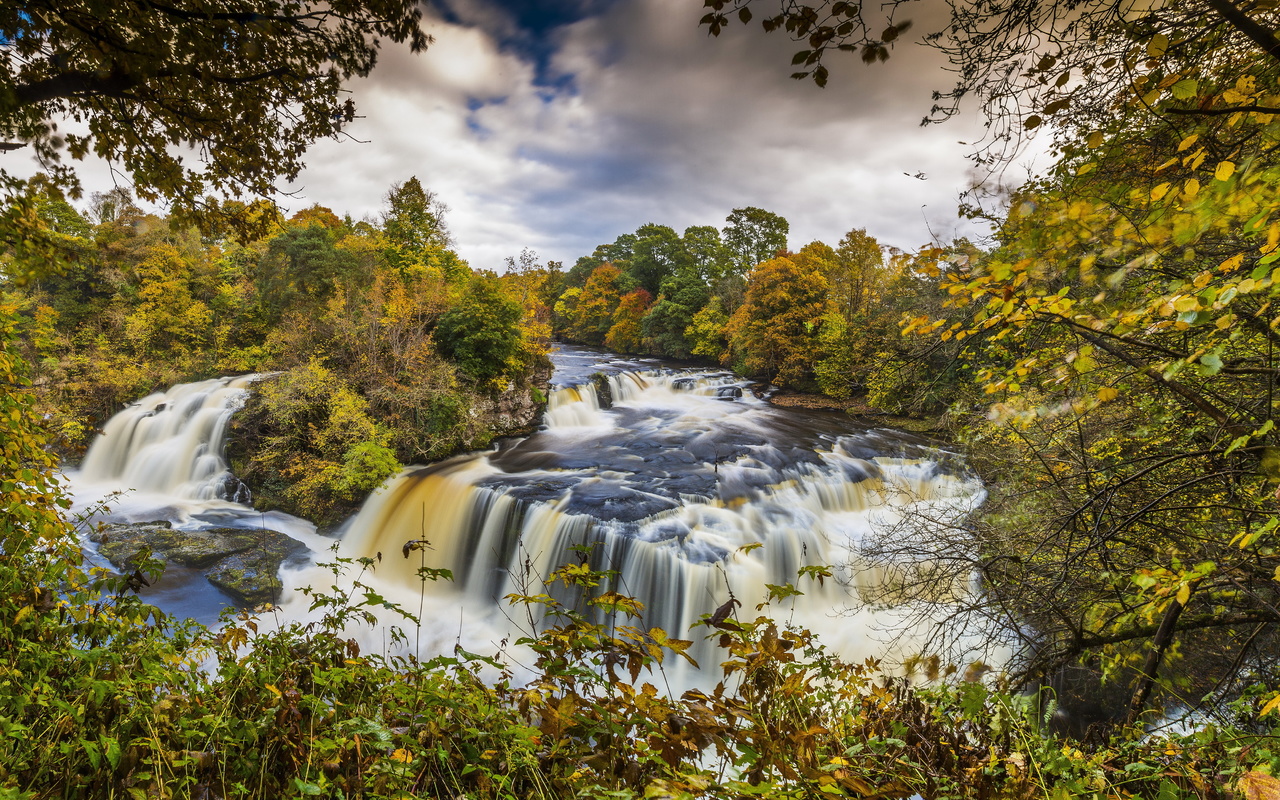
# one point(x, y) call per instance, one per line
point(667, 478)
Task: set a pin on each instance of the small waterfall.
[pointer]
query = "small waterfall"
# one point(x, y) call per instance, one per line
point(668, 488)
point(172, 443)
point(573, 407)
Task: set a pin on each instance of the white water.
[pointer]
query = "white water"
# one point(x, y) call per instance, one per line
point(162, 458)
point(670, 487)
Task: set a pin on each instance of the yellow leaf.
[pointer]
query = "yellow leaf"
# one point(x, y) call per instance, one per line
point(1232, 263)
point(1246, 84)
point(1184, 593)
point(1191, 188)
point(273, 690)
point(402, 755)
point(1259, 785)
point(1232, 96)
point(1160, 191)
point(1095, 139)
point(1107, 393)
point(1158, 44)
point(1225, 170)
point(1187, 142)
point(1085, 169)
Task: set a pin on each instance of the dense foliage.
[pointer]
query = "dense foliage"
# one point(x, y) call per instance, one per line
point(381, 341)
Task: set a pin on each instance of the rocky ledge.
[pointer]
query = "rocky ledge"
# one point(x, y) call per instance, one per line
point(243, 563)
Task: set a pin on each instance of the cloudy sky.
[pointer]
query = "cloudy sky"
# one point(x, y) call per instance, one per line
point(558, 125)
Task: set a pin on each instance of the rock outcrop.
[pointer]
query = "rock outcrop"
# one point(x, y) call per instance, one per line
point(243, 563)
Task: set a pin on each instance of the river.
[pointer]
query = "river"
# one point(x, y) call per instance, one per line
point(666, 477)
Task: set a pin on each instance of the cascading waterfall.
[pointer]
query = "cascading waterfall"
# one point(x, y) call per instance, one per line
point(668, 484)
point(668, 487)
point(171, 443)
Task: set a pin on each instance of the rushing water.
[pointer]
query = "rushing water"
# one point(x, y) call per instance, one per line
point(666, 477)
point(163, 458)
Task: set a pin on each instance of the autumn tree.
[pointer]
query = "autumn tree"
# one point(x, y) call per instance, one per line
point(626, 333)
point(593, 312)
point(773, 332)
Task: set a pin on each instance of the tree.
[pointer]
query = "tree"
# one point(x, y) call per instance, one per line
point(683, 294)
point(593, 314)
point(301, 264)
point(414, 225)
point(706, 252)
point(480, 332)
point(656, 253)
point(625, 335)
point(773, 333)
point(248, 85)
point(753, 236)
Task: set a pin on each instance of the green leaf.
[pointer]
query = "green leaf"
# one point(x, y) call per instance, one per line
point(1185, 89)
point(1212, 364)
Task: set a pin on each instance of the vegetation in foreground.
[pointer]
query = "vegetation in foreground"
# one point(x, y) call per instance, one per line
point(103, 696)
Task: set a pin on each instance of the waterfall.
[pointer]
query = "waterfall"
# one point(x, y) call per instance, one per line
point(669, 488)
point(171, 443)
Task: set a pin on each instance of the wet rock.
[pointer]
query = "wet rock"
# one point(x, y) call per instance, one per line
point(240, 561)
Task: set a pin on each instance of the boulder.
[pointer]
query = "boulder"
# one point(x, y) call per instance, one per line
point(242, 562)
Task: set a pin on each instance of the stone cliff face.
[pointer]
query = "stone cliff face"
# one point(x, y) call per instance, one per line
point(518, 409)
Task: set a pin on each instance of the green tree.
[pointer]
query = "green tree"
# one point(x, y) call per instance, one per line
point(753, 236)
point(301, 264)
point(683, 295)
point(414, 226)
point(656, 253)
point(480, 332)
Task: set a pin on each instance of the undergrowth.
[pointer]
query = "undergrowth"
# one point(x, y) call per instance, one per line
point(103, 696)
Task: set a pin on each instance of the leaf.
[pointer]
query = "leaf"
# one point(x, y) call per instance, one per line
point(1184, 593)
point(1095, 139)
point(1107, 393)
point(1259, 785)
point(1159, 192)
point(1157, 45)
point(1187, 142)
point(1032, 121)
point(1185, 89)
point(722, 613)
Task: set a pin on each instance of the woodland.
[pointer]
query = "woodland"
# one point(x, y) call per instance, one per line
point(1105, 362)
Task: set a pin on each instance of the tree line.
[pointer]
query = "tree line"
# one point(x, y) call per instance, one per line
point(391, 349)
